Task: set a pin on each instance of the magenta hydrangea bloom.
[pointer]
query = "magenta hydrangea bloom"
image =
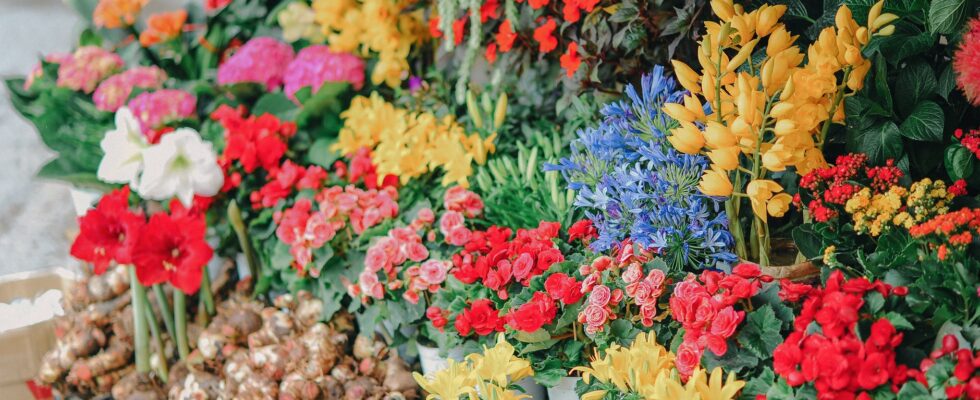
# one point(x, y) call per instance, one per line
point(113, 92)
point(262, 60)
point(158, 108)
point(317, 64)
point(88, 66)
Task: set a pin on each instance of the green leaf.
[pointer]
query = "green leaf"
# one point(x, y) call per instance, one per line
point(759, 384)
point(899, 321)
point(880, 142)
point(760, 332)
point(539, 335)
point(901, 47)
point(947, 82)
point(915, 82)
point(64, 170)
point(875, 301)
point(321, 154)
point(913, 390)
point(882, 89)
point(925, 123)
point(275, 103)
point(808, 241)
point(959, 162)
point(947, 16)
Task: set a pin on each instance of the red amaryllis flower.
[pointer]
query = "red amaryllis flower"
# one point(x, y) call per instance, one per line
point(966, 62)
point(108, 232)
point(171, 247)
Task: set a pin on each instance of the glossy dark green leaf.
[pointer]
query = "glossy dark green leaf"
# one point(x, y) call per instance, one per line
point(925, 123)
point(947, 16)
point(959, 162)
point(880, 142)
point(915, 83)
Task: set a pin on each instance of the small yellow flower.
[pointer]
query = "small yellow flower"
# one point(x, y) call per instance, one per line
point(715, 182)
point(687, 138)
point(759, 192)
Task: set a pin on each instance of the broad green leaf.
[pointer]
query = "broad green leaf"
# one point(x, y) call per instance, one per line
point(275, 103)
point(925, 123)
point(947, 16)
point(880, 142)
point(899, 321)
point(759, 384)
point(913, 390)
point(900, 47)
point(959, 162)
point(321, 154)
point(947, 82)
point(915, 83)
point(807, 241)
point(539, 335)
point(760, 332)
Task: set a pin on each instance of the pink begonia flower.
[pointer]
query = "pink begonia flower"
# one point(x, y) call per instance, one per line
point(113, 92)
point(88, 66)
point(316, 65)
point(158, 108)
point(261, 60)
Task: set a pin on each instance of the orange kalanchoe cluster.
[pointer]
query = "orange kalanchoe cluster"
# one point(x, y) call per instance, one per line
point(949, 232)
point(114, 14)
point(163, 27)
point(769, 112)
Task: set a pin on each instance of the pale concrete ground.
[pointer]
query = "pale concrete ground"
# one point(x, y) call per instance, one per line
point(35, 215)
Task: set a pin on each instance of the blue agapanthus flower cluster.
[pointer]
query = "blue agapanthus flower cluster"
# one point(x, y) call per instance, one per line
point(633, 184)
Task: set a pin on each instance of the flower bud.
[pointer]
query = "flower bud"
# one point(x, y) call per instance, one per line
point(473, 110)
point(500, 111)
point(687, 138)
point(717, 135)
point(882, 20)
point(715, 182)
point(724, 9)
point(725, 158)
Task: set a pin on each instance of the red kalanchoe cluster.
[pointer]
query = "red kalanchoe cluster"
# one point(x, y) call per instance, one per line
point(305, 229)
point(171, 248)
point(281, 183)
point(833, 358)
point(107, 232)
point(480, 318)
point(884, 177)
point(970, 140)
point(951, 232)
point(831, 187)
point(253, 141)
point(966, 62)
point(705, 307)
point(498, 261)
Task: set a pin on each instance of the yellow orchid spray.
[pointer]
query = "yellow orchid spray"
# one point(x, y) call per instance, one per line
point(646, 368)
point(769, 111)
point(409, 144)
point(481, 376)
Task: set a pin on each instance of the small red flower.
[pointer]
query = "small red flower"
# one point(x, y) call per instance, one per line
point(564, 288)
point(505, 36)
point(459, 29)
point(434, 30)
point(536, 4)
point(491, 53)
point(571, 61)
point(107, 232)
point(489, 9)
point(545, 37)
point(171, 247)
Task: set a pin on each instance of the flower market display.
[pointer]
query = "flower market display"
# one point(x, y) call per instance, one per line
point(510, 199)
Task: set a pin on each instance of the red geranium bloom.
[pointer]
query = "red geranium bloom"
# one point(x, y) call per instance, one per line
point(171, 247)
point(582, 230)
point(545, 37)
point(505, 36)
point(108, 232)
point(570, 61)
point(564, 288)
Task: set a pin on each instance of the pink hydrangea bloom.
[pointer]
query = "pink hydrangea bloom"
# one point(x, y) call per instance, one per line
point(316, 65)
point(157, 108)
point(38, 70)
point(113, 92)
point(262, 60)
point(88, 66)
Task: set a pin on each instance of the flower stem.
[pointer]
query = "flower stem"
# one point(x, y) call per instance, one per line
point(207, 297)
point(157, 340)
point(180, 320)
point(735, 227)
point(762, 235)
point(833, 108)
point(140, 330)
point(235, 217)
point(165, 314)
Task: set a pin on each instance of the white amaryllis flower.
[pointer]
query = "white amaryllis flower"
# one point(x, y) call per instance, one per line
point(123, 148)
point(181, 165)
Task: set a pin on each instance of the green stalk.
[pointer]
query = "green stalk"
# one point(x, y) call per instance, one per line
point(141, 333)
point(207, 297)
point(235, 217)
point(157, 340)
point(165, 314)
point(180, 320)
point(735, 227)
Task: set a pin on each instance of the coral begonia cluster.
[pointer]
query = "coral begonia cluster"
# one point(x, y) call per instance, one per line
point(87, 67)
point(113, 92)
point(318, 64)
point(951, 233)
point(409, 144)
point(304, 229)
point(393, 29)
point(400, 260)
point(705, 308)
point(170, 247)
point(161, 107)
point(966, 62)
point(834, 359)
point(261, 60)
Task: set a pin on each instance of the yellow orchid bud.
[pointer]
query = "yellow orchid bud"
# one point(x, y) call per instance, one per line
point(687, 138)
point(784, 127)
point(779, 40)
point(742, 55)
point(779, 204)
point(694, 105)
point(852, 55)
point(787, 89)
point(595, 395)
point(741, 128)
point(721, 38)
point(774, 160)
point(856, 81)
point(725, 158)
point(708, 88)
point(862, 35)
point(715, 182)
point(882, 20)
point(717, 136)
point(473, 110)
point(500, 111)
point(875, 10)
point(687, 77)
point(886, 31)
point(768, 18)
point(759, 192)
point(781, 110)
point(724, 9)
point(679, 112)
point(843, 17)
